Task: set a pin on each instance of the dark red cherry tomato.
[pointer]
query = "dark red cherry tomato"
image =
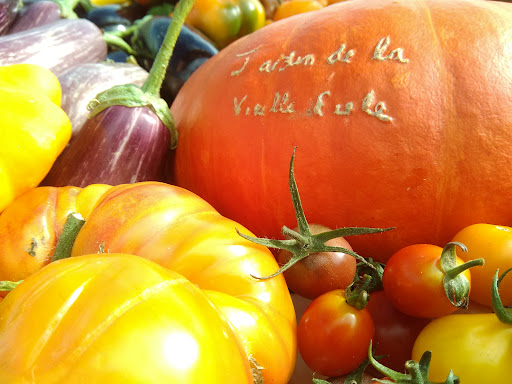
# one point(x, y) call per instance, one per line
point(320, 272)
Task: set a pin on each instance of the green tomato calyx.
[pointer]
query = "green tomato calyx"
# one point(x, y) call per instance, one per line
point(456, 284)
point(302, 243)
point(418, 371)
point(503, 313)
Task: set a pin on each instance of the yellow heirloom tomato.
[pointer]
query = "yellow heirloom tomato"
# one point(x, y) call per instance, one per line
point(34, 129)
point(115, 319)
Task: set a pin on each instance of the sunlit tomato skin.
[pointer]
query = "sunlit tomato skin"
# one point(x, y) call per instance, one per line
point(333, 337)
point(182, 232)
point(493, 243)
point(31, 225)
point(115, 319)
point(413, 281)
point(321, 272)
point(475, 346)
point(395, 332)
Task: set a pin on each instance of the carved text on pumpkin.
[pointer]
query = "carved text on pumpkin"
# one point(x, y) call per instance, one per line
point(282, 103)
point(381, 52)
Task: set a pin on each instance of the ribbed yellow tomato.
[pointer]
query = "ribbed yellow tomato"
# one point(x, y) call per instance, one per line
point(115, 319)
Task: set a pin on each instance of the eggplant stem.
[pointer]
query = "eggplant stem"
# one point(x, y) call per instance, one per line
point(158, 70)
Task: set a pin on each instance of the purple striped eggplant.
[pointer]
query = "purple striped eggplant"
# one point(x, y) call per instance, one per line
point(130, 133)
point(57, 46)
point(8, 11)
point(36, 14)
point(82, 83)
point(117, 146)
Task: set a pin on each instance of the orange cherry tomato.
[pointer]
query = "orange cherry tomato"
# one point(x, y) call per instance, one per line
point(295, 7)
point(493, 243)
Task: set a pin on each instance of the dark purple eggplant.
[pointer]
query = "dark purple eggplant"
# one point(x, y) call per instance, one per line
point(82, 83)
point(36, 14)
point(191, 51)
point(108, 18)
point(8, 11)
point(117, 146)
point(131, 133)
point(57, 46)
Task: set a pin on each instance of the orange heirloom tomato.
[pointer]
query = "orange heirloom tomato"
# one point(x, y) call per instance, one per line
point(30, 226)
point(178, 230)
point(152, 326)
point(493, 243)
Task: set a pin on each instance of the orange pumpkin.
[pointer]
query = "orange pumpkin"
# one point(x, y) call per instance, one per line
point(401, 111)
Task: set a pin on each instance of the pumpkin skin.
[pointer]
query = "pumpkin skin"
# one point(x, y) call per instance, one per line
point(178, 230)
point(426, 147)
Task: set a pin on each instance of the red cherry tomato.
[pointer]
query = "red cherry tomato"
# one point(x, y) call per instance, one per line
point(413, 281)
point(333, 336)
point(320, 272)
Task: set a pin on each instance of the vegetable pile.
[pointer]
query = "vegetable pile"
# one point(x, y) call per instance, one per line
point(255, 191)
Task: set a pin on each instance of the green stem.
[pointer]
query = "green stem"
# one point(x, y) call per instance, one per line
point(114, 40)
point(302, 223)
point(72, 226)
point(303, 243)
point(356, 294)
point(67, 8)
point(158, 70)
point(454, 272)
point(418, 371)
point(503, 313)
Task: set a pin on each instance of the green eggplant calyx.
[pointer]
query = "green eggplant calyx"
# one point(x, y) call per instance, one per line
point(456, 284)
point(67, 8)
point(74, 222)
point(418, 371)
point(302, 243)
point(129, 95)
point(504, 314)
